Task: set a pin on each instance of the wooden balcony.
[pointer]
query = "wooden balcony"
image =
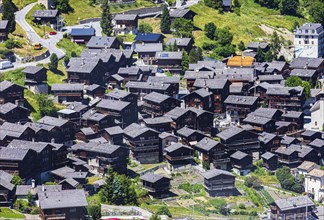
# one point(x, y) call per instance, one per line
point(179, 158)
point(54, 216)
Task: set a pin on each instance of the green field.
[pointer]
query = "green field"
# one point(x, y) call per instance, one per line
point(68, 46)
point(244, 27)
point(9, 213)
point(22, 3)
point(82, 10)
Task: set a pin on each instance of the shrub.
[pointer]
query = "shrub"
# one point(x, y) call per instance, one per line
point(11, 44)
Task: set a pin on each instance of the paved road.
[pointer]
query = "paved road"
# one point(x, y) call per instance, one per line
point(33, 37)
point(187, 4)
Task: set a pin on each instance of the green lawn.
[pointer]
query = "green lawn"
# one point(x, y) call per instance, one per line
point(9, 213)
point(16, 75)
point(58, 76)
point(245, 27)
point(68, 46)
point(39, 29)
point(22, 3)
point(82, 10)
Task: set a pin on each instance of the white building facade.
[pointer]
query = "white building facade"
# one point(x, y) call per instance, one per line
point(314, 184)
point(309, 40)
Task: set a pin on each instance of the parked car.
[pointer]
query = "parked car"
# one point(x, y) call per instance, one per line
point(52, 33)
point(38, 46)
point(5, 64)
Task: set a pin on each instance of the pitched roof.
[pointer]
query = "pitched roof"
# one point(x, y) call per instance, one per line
point(83, 32)
point(45, 13)
point(267, 155)
point(62, 199)
point(33, 69)
point(270, 77)
point(179, 13)
point(5, 180)
point(16, 154)
point(134, 130)
point(100, 148)
point(53, 121)
point(265, 112)
point(118, 94)
point(186, 132)
point(241, 100)
point(66, 172)
point(113, 104)
point(164, 55)
point(125, 17)
point(176, 146)
point(164, 79)
point(3, 24)
point(156, 97)
point(216, 172)
point(206, 144)
point(294, 203)
point(101, 42)
point(152, 47)
point(210, 83)
point(304, 62)
point(176, 112)
point(7, 107)
point(306, 73)
point(157, 120)
point(257, 120)
point(179, 41)
point(22, 144)
point(7, 84)
point(229, 132)
point(114, 130)
point(148, 37)
point(67, 87)
point(151, 177)
point(148, 85)
point(239, 155)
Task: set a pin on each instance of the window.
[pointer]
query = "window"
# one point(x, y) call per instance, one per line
point(73, 210)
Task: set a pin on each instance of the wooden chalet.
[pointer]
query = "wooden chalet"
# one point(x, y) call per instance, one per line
point(156, 104)
point(241, 163)
point(219, 183)
point(123, 113)
point(11, 92)
point(144, 143)
point(157, 185)
point(178, 155)
point(213, 153)
point(270, 161)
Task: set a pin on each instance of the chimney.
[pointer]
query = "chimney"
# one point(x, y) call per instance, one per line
point(53, 140)
point(80, 173)
point(43, 188)
point(33, 184)
point(152, 115)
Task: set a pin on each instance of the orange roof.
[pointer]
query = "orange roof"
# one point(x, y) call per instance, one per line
point(245, 61)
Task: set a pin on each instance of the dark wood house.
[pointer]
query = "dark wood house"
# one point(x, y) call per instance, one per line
point(170, 61)
point(82, 35)
point(64, 204)
point(125, 24)
point(156, 104)
point(157, 185)
point(241, 163)
point(4, 30)
point(270, 161)
point(178, 155)
point(67, 92)
point(114, 135)
point(189, 136)
point(144, 143)
point(17, 161)
point(13, 113)
point(36, 79)
point(11, 92)
point(160, 124)
point(200, 98)
point(238, 107)
point(238, 139)
point(212, 153)
point(123, 113)
point(102, 156)
point(219, 183)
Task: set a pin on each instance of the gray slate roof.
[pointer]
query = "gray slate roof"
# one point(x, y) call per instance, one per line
point(113, 104)
point(67, 87)
point(114, 130)
point(33, 69)
point(3, 24)
point(183, 42)
point(292, 203)
point(53, 121)
point(303, 62)
point(156, 97)
point(134, 130)
point(16, 154)
point(151, 177)
point(151, 47)
point(216, 172)
point(101, 42)
point(5, 180)
point(239, 155)
point(157, 120)
point(168, 55)
point(62, 199)
point(241, 100)
point(267, 155)
point(125, 17)
point(176, 146)
point(45, 13)
point(206, 144)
